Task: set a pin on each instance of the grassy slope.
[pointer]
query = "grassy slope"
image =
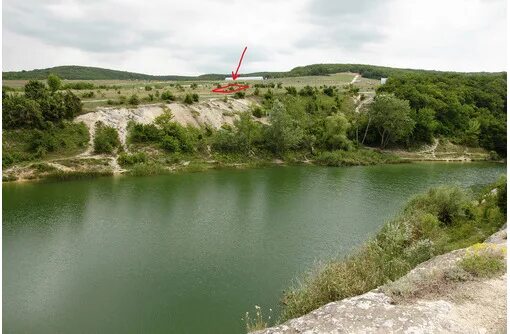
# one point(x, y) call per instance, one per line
point(436, 222)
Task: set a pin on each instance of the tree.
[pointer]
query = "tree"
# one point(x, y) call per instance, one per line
point(247, 132)
point(391, 117)
point(35, 90)
point(335, 132)
point(54, 82)
point(20, 112)
point(426, 125)
point(284, 131)
point(106, 138)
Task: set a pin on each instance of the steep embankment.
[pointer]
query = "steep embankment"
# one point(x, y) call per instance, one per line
point(213, 113)
point(441, 295)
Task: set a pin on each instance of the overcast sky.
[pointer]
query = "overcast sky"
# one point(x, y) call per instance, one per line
point(204, 36)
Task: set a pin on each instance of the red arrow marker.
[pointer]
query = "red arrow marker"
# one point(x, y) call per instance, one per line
point(235, 75)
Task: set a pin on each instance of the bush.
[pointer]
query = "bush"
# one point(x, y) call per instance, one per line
point(188, 99)
point(239, 95)
point(355, 158)
point(106, 139)
point(126, 159)
point(167, 96)
point(291, 90)
point(79, 85)
point(448, 204)
point(194, 97)
point(143, 133)
point(483, 261)
point(29, 144)
point(257, 112)
point(54, 82)
point(170, 144)
point(134, 100)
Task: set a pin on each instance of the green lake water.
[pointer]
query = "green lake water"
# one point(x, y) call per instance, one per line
point(191, 252)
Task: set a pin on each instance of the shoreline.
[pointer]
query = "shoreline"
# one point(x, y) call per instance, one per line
point(206, 165)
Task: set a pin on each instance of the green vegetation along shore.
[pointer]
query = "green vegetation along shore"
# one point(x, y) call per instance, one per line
point(332, 125)
point(438, 221)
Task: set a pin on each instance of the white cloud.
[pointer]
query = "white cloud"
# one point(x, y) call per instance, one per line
point(199, 36)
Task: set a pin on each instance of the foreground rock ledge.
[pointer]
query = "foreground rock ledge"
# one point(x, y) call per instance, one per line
point(477, 306)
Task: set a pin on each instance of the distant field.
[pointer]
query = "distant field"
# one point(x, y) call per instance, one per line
point(126, 88)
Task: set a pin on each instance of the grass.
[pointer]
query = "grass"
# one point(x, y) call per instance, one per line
point(148, 168)
point(258, 321)
point(24, 145)
point(484, 261)
point(355, 158)
point(431, 224)
point(74, 175)
point(179, 89)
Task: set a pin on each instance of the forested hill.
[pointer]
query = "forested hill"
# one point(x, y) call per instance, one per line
point(85, 73)
point(96, 73)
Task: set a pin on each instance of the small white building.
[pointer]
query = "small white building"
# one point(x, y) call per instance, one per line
point(245, 78)
point(383, 80)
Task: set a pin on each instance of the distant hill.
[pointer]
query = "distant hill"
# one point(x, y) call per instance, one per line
point(86, 73)
point(96, 73)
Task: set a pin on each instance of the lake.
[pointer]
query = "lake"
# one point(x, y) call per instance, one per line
point(190, 252)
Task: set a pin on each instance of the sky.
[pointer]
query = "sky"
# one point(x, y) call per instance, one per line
point(207, 36)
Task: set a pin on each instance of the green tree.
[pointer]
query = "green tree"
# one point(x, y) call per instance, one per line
point(391, 117)
point(248, 132)
point(35, 90)
point(426, 125)
point(335, 132)
point(106, 138)
point(284, 132)
point(20, 112)
point(54, 82)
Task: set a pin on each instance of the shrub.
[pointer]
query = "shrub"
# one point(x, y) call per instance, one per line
point(291, 90)
point(239, 95)
point(143, 133)
point(126, 159)
point(134, 100)
point(188, 99)
point(448, 204)
point(411, 238)
point(483, 261)
point(194, 96)
point(167, 96)
point(147, 168)
point(257, 112)
point(171, 144)
point(355, 158)
point(54, 82)
point(148, 88)
point(106, 139)
point(29, 144)
point(329, 91)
